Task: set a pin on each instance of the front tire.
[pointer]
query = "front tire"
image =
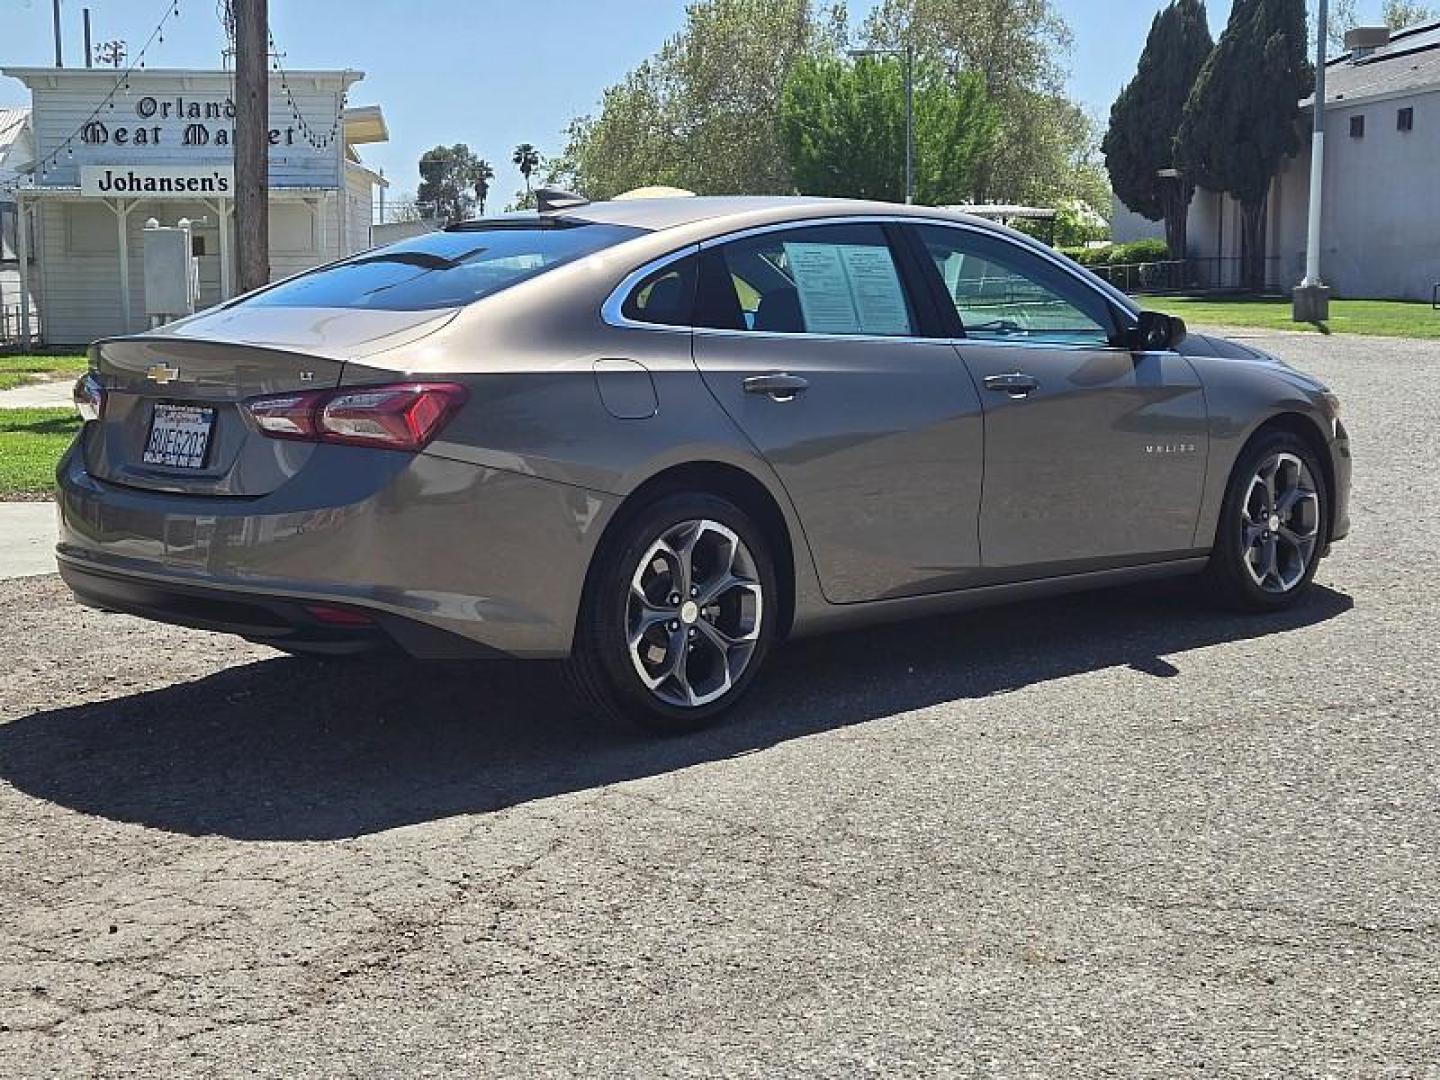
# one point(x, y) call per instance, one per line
point(678, 614)
point(1274, 525)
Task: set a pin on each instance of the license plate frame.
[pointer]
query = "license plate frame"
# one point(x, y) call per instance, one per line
point(179, 436)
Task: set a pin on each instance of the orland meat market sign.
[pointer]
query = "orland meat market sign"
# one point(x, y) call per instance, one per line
point(157, 181)
point(170, 121)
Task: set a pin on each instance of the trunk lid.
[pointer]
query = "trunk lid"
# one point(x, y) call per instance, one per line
point(197, 372)
point(334, 333)
point(141, 374)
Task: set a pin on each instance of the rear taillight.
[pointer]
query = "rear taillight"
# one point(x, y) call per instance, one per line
point(89, 397)
point(402, 416)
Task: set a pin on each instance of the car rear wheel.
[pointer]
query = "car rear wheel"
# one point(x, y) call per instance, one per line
point(678, 615)
point(1272, 525)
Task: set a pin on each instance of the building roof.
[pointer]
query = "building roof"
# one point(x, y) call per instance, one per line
point(31, 75)
point(15, 142)
point(12, 123)
point(1410, 63)
point(365, 124)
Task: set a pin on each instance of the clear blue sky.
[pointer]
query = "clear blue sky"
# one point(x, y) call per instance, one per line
point(487, 72)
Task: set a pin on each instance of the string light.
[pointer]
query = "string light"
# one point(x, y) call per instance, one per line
point(308, 132)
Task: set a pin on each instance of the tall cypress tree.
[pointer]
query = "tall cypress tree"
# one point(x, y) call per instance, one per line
point(1146, 118)
point(1240, 121)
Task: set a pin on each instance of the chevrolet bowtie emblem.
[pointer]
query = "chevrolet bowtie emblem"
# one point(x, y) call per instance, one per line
point(162, 374)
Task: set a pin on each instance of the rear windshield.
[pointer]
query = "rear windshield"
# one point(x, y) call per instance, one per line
point(445, 269)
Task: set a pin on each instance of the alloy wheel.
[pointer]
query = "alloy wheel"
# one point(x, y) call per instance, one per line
point(694, 613)
point(1280, 523)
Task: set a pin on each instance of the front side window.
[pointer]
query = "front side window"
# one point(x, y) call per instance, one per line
point(1002, 292)
point(445, 269)
point(822, 279)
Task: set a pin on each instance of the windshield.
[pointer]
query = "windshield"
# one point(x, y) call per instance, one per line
point(445, 269)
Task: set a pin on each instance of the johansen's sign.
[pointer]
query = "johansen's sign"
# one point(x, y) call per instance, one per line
point(157, 181)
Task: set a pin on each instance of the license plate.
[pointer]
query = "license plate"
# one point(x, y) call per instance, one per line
point(179, 436)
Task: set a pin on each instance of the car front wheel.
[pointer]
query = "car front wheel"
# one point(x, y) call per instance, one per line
point(1272, 526)
point(678, 614)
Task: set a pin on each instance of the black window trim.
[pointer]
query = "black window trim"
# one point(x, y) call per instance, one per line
point(1121, 313)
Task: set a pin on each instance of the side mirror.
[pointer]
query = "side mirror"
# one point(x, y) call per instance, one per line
point(1155, 332)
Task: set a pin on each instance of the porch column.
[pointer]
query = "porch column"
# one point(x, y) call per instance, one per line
point(222, 210)
point(22, 251)
point(122, 217)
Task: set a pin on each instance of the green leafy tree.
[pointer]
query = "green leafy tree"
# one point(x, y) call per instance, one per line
point(527, 159)
point(843, 127)
point(1146, 117)
point(1019, 49)
point(447, 181)
point(484, 173)
point(703, 113)
point(1240, 120)
point(1398, 14)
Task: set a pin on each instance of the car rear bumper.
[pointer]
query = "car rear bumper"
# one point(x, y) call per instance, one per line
point(447, 558)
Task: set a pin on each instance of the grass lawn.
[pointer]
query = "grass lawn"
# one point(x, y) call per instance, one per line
point(31, 442)
point(1382, 318)
point(19, 370)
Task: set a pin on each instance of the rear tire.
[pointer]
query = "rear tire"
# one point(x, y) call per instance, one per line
point(679, 611)
point(1274, 524)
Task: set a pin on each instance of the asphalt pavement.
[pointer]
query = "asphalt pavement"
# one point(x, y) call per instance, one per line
point(1113, 835)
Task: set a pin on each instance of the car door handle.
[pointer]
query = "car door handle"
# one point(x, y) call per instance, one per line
point(1017, 384)
point(779, 386)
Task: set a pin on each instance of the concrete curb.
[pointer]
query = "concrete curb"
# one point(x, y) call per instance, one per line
point(27, 539)
point(54, 394)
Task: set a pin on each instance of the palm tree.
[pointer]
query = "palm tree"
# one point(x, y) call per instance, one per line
point(484, 173)
point(527, 160)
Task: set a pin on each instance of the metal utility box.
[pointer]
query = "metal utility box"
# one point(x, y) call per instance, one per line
point(172, 274)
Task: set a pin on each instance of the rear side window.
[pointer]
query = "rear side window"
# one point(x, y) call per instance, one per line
point(445, 269)
point(666, 297)
point(821, 279)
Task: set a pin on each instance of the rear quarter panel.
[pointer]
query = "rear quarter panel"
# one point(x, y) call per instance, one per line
point(531, 359)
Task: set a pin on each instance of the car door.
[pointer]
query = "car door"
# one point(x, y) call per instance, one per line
point(1094, 454)
point(811, 339)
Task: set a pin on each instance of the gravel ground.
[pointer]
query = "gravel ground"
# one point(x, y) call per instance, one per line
point(1111, 835)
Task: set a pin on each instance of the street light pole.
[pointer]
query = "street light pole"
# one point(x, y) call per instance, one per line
point(909, 124)
point(1312, 298)
point(908, 55)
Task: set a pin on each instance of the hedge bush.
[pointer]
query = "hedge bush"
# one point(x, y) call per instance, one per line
point(1140, 251)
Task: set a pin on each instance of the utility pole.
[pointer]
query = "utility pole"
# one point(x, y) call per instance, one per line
point(252, 139)
point(1312, 297)
point(908, 55)
point(59, 54)
point(89, 59)
point(909, 123)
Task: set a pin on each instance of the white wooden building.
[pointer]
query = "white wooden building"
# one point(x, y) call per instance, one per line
point(107, 157)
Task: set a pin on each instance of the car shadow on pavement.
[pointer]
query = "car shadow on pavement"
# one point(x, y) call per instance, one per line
point(288, 749)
